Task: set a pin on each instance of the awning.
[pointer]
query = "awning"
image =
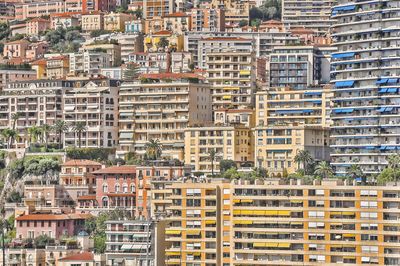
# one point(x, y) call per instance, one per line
point(231, 88)
point(312, 93)
point(211, 222)
point(343, 55)
point(126, 135)
point(392, 80)
point(338, 111)
point(126, 246)
point(226, 97)
point(92, 106)
point(284, 245)
point(193, 232)
point(243, 222)
point(382, 81)
point(343, 84)
point(244, 72)
point(284, 213)
point(173, 232)
point(69, 108)
point(173, 253)
point(344, 8)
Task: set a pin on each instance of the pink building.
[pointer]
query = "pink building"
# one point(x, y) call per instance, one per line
point(116, 187)
point(37, 26)
point(16, 49)
point(36, 51)
point(64, 20)
point(53, 225)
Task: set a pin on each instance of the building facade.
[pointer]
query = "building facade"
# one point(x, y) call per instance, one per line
point(365, 79)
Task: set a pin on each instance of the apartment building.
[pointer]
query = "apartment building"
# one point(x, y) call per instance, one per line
point(159, 62)
point(116, 21)
point(35, 9)
point(95, 103)
point(272, 222)
point(63, 20)
point(38, 102)
point(207, 19)
point(314, 15)
point(111, 47)
point(230, 142)
point(178, 22)
point(36, 26)
point(92, 21)
point(299, 67)
point(130, 242)
point(175, 41)
point(16, 49)
point(365, 76)
point(89, 61)
point(77, 179)
point(57, 67)
point(235, 11)
point(290, 120)
point(11, 75)
point(160, 107)
point(157, 8)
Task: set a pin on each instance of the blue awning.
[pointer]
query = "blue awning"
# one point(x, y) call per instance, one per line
point(294, 111)
point(344, 8)
point(342, 84)
point(389, 109)
point(343, 55)
point(312, 93)
point(382, 90)
point(392, 80)
point(338, 111)
point(382, 109)
point(392, 90)
point(382, 81)
point(369, 147)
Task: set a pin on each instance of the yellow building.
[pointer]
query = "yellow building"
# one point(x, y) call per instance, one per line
point(116, 21)
point(235, 11)
point(288, 121)
point(174, 41)
point(52, 68)
point(178, 22)
point(160, 107)
point(273, 222)
point(230, 142)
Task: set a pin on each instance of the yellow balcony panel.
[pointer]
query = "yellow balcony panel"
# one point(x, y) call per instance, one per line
point(244, 222)
point(349, 235)
point(258, 212)
point(245, 212)
point(211, 222)
point(193, 232)
point(296, 223)
point(173, 232)
point(173, 253)
point(284, 213)
point(244, 72)
point(336, 213)
point(271, 245)
point(259, 245)
point(347, 213)
point(236, 200)
point(231, 88)
point(236, 212)
point(349, 257)
point(226, 97)
point(284, 245)
point(296, 201)
point(269, 213)
point(246, 200)
point(336, 223)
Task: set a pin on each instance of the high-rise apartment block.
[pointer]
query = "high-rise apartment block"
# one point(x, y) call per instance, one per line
point(366, 81)
point(310, 14)
point(157, 8)
point(160, 107)
point(272, 222)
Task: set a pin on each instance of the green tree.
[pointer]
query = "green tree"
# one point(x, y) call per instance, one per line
point(34, 132)
point(79, 128)
point(131, 72)
point(354, 172)
point(394, 161)
point(45, 131)
point(4, 31)
point(387, 175)
point(153, 149)
point(97, 33)
point(225, 165)
point(323, 169)
point(60, 127)
point(42, 241)
point(231, 173)
point(162, 43)
point(303, 158)
point(212, 155)
point(243, 23)
point(11, 135)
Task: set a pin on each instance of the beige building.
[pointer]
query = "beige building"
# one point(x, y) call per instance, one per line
point(207, 19)
point(116, 21)
point(288, 121)
point(37, 26)
point(94, 102)
point(160, 107)
point(92, 21)
point(230, 142)
point(178, 22)
point(272, 222)
point(235, 11)
point(112, 48)
point(89, 62)
point(158, 8)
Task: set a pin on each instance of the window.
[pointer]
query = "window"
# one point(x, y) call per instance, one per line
point(105, 188)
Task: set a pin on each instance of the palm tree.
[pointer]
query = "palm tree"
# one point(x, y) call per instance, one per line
point(153, 149)
point(12, 135)
point(323, 169)
point(304, 158)
point(131, 72)
point(15, 117)
point(79, 128)
point(355, 171)
point(162, 43)
point(212, 154)
point(45, 130)
point(34, 133)
point(60, 127)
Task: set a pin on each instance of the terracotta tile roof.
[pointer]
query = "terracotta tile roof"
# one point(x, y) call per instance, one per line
point(176, 15)
point(163, 32)
point(39, 62)
point(53, 217)
point(65, 14)
point(84, 256)
point(123, 169)
point(87, 197)
point(81, 162)
point(18, 42)
point(225, 39)
point(170, 75)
